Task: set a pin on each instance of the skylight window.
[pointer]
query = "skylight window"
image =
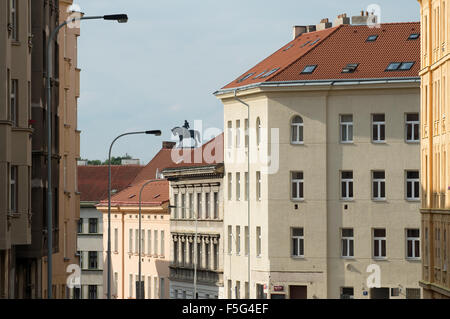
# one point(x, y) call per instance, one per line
point(406, 66)
point(350, 68)
point(393, 66)
point(309, 69)
point(245, 77)
point(305, 44)
point(290, 46)
point(260, 74)
point(270, 73)
point(372, 38)
point(315, 41)
point(413, 36)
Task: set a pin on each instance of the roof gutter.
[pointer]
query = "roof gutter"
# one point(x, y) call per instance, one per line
point(331, 82)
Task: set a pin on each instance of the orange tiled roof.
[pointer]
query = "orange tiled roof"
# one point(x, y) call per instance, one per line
point(156, 193)
point(335, 48)
point(93, 180)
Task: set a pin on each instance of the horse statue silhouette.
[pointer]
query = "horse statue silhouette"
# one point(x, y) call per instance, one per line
point(185, 132)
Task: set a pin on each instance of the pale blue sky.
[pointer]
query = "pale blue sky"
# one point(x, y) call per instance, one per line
point(164, 64)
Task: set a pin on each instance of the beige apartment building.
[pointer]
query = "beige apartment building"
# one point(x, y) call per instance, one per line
point(69, 152)
point(15, 141)
point(337, 111)
point(196, 191)
point(435, 140)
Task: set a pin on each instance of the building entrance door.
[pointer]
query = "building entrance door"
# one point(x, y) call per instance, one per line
point(379, 293)
point(297, 292)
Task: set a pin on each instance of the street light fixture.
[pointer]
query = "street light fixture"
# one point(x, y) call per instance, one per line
point(195, 246)
point(108, 280)
point(118, 17)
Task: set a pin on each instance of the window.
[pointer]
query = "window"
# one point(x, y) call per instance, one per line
point(136, 241)
point(230, 134)
point(93, 260)
point(230, 289)
point(130, 243)
point(245, 77)
point(92, 292)
point(258, 185)
point(297, 242)
point(183, 205)
point(238, 290)
point(379, 243)
point(175, 252)
point(347, 185)
point(13, 189)
point(191, 253)
point(162, 243)
point(149, 242)
point(207, 205)
point(246, 185)
point(246, 133)
point(347, 293)
point(149, 287)
point(258, 241)
point(93, 225)
point(372, 38)
point(183, 253)
point(199, 205)
point(238, 133)
point(400, 66)
point(162, 286)
point(412, 127)
point(246, 240)
point(406, 66)
point(230, 185)
point(346, 128)
point(350, 68)
point(175, 211)
point(412, 293)
point(378, 128)
point(309, 69)
point(191, 205)
point(270, 73)
point(258, 131)
point(347, 240)
point(14, 98)
point(116, 239)
point(207, 255)
point(393, 66)
point(155, 242)
point(216, 205)
point(412, 185)
point(199, 255)
point(238, 240)
point(238, 186)
point(14, 18)
point(297, 130)
point(247, 290)
point(216, 256)
point(230, 239)
point(80, 226)
point(378, 185)
point(142, 241)
point(413, 36)
point(413, 243)
point(130, 291)
point(297, 185)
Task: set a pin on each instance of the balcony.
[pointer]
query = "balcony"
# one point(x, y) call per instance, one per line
point(205, 276)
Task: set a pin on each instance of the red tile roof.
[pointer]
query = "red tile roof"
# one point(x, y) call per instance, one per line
point(93, 180)
point(156, 193)
point(183, 157)
point(338, 46)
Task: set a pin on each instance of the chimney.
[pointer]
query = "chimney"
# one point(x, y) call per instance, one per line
point(341, 19)
point(324, 24)
point(361, 19)
point(310, 28)
point(298, 30)
point(168, 145)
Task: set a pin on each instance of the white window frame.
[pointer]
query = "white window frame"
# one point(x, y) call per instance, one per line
point(347, 126)
point(238, 133)
point(258, 131)
point(258, 241)
point(162, 253)
point(380, 244)
point(297, 127)
point(183, 206)
point(376, 184)
point(13, 102)
point(230, 239)
point(230, 135)
point(130, 241)
point(207, 205)
point(13, 188)
point(298, 182)
point(347, 241)
point(199, 205)
point(230, 186)
point(14, 20)
point(175, 211)
point(300, 243)
point(415, 182)
point(258, 185)
point(378, 124)
point(414, 124)
point(238, 240)
point(347, 182)
point(238, 186)
point(155, 242)
point(149, 241)
point(414, 241)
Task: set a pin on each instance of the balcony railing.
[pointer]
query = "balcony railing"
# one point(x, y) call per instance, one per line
point(203, 275)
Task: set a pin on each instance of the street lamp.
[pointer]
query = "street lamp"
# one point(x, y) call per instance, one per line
point(121, 18)
point(139, 294)
point(248, 186)
point(153, 132)
point(195, 246)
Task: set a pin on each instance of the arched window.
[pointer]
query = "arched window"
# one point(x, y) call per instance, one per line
point(258, 131)
point(297, 130)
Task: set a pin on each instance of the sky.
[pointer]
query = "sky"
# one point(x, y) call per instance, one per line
point(163, 66)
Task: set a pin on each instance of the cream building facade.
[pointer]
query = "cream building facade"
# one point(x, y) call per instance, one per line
point(15, 142)
point(343, 195)
point(435, 104)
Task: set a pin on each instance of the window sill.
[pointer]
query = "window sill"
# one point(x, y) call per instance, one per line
point(16, 43)
point(413, 259)
point(379, 142)
point(413, 200)
point(412, 142)
point(297, 143)
point(379, 200)
point(298, 257)
point(346, 142)
point(380, 258)
point(348, 257)
point(347, 200)
point(297, 200)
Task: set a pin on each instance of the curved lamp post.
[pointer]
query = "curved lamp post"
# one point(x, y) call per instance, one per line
point(153, 132)
point(121, 18)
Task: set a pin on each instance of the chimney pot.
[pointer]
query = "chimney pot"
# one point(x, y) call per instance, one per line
point(168, 145)
point(341, 19)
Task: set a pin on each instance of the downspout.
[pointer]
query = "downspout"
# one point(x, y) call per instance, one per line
point(123, 255)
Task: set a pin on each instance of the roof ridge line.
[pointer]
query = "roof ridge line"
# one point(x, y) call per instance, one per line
point(306, 53)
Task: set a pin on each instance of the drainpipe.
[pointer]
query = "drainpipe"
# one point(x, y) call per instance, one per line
point(248, 187)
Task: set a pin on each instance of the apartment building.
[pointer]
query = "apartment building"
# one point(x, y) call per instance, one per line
point(435, 141)
point(15, 144)
point(196, 223)
point(93, 187)
point(336, 111)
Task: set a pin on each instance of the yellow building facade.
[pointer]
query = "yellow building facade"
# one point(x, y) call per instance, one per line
point(435, 103)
